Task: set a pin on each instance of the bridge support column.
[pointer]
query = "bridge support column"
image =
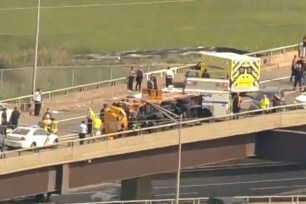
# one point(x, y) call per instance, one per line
point(250, 145)
point(136, 188)
point(63, 179)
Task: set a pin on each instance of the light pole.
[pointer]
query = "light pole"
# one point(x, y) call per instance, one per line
point(179, 163)
point(36, 49)
point(179, 160)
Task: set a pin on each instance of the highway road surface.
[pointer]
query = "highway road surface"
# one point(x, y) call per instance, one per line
point(274, 180)
point(71, 118)
point(247, 177)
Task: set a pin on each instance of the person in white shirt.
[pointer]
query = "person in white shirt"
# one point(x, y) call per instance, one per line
point(37, 102)
point(169, 77)
point(82, 132)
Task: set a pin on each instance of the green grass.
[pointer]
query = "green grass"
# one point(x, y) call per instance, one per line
point(238, 23)
point(245, 24)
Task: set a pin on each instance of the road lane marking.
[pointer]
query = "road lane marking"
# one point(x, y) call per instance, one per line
point(234, 183)
point(275, 79)
point(277, 187)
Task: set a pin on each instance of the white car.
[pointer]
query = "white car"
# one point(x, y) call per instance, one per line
point(301, 99)
point(8, 111)
point(28, 137)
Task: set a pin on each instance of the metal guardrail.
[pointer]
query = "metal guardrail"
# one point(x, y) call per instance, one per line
point(247, 199)
point(114, 82)
point(70, 143)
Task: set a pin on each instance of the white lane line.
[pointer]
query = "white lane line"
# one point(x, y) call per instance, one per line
point(234, 183)
point(278, 187)
point(276, 79)
point(100, 5)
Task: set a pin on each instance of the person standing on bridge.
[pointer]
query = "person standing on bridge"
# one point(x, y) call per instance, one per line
point(169, 77)
point(131, 79)
point(82, 132)
point(264, 103)
point(14, 118)
point(4, 120)
point(236, 105)
point(37, 101)
point(150, 83)
point(52, 127)
point(298, 76)
point(102, 112)
point(90, 118)
point(97, 124)
point(294, 60)
point(139, 79)
point(47, 113)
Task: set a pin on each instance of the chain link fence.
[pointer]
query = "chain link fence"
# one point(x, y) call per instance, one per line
point(18, 82)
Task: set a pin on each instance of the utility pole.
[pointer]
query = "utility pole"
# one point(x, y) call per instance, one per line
point(179, 159)
point(34, 73)
point(179, 162)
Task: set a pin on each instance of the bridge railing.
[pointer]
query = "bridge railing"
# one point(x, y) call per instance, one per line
point(295, 199)
point(71, 141)
point(113, 82)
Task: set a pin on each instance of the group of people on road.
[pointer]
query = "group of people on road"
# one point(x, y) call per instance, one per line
point(135, 76)
point(264, 104)
point(138, 77)
point(11, 122)
point(94, 124)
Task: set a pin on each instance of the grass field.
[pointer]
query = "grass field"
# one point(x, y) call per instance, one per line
point(114, 25)
point(103, 26)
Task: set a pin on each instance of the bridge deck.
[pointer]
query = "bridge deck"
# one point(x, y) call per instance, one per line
point(152, 141)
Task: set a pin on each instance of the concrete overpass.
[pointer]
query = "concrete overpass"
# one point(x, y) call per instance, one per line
point(64, 169)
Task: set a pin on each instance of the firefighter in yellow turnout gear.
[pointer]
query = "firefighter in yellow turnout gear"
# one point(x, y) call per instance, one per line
point(264, 103)
point(97, 124)
point(52, 127)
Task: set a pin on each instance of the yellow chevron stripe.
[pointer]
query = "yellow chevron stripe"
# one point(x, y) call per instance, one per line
point(237, 66)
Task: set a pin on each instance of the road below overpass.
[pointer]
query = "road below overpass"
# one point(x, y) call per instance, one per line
point(245, 177)
point(71, 118)
point(276, 179)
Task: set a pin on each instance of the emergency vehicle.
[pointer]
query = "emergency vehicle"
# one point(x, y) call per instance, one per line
point(242, 71)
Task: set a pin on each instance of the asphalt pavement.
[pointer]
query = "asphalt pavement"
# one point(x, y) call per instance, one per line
point(274, 180)
point(245, 177)
point(278, 78)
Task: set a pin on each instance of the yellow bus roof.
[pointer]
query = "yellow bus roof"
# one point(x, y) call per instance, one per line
point(230, 56)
